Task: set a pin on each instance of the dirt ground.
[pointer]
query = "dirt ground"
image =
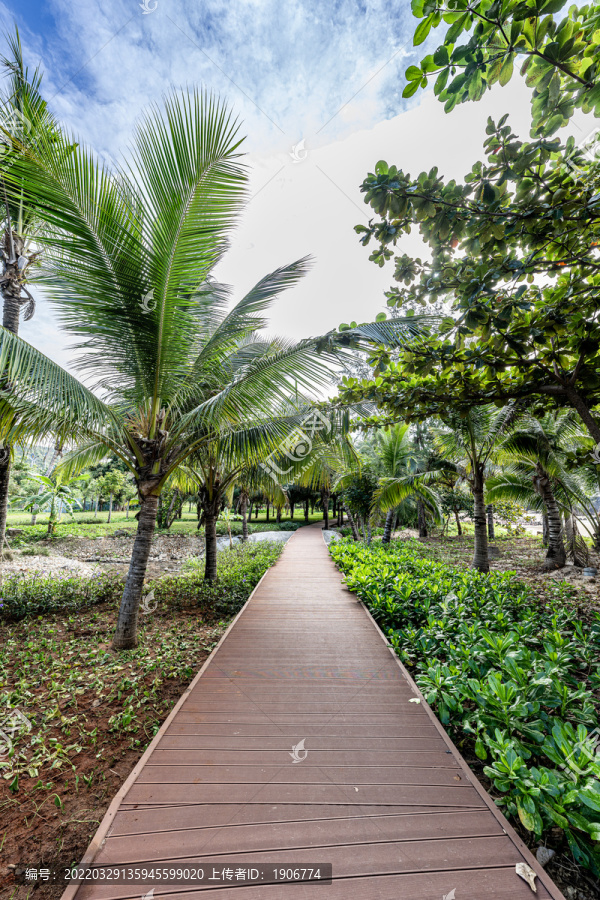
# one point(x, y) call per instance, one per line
point(85, 556)
point(51, 817)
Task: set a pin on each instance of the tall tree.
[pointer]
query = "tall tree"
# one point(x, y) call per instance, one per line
point(471, 443)
point(127, 262)
point(23, 119)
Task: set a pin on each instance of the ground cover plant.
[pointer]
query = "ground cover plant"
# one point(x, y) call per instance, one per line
point(516, 680)
point(92, 711)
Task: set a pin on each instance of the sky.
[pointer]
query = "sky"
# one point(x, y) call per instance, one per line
point(317, 87)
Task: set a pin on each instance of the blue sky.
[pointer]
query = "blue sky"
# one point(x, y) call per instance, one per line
point(323, 78)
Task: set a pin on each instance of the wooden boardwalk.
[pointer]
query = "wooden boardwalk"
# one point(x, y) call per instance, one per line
point(382, 794)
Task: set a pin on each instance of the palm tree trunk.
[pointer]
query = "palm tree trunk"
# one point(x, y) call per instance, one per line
point(244, 511)
point(326, 495)
point(110, 506)
point(4, 480)
point(306, 511)
point(422, 521)
point(556, 556)
point(127, 510)
point(387, 531)
point(267, 519)
point(544, 529)
point(292, 511)
point(353, 526)
point(11, 292)
point(278, 515)
point(210, 546)
point(490, 521)
point(126, 632)
point(480, 555)
point(459, 530)
point(369, 534)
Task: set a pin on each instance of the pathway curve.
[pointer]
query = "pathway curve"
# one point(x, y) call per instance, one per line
point(379, 792)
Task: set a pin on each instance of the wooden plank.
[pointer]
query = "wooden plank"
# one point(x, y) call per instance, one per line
point(233, 815)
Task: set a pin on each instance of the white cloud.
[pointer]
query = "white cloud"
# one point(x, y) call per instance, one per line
point(300, 70)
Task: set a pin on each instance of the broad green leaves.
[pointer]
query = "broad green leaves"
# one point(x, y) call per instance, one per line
point(559, 56)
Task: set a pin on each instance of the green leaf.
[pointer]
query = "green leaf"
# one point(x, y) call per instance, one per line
point(527, 818)
point(422, 30)
point(507, 69)
point(410, 89)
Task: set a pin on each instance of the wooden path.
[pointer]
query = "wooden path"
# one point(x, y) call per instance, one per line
point(382, 793)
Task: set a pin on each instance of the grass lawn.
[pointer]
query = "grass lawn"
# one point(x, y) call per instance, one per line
point(86, 525)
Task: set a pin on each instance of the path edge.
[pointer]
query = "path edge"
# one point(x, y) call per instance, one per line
point(102, 831)
point(528, 857)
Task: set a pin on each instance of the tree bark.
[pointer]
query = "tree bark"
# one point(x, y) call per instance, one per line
point(292, 511)
point(11, 293)
point(556, 556)
point(459, 530)
point(127, 510)
point(278, 515)
point(126, 632)
point(267, 518)
point(4, 481)
point(544, 529)
point(244, 512)
point(578, 403)
point(422, 521)
point(110, 506)
point(306, 512)
point(490, 521)
point(210, 546)
point(353, 526)
point(325, 495)
point(480, 555)
point(387, 530)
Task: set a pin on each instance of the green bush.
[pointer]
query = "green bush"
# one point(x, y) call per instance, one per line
point(238, 572)
point(513, 677)
point(37, 594)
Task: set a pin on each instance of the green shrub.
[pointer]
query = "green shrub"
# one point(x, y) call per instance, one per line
point(35, 551)
point(515, 678)
point(37, 594)
point(238, 571)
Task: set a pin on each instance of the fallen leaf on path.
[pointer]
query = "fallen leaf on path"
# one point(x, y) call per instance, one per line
point(527, 874)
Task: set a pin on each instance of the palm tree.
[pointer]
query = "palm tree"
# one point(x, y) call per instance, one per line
point(223, 459)
point(23, 117)
point(328, 464)
point(127, 261)
point(52, 492)
point(395, 455)
point(537, 474)
point(471, 443)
